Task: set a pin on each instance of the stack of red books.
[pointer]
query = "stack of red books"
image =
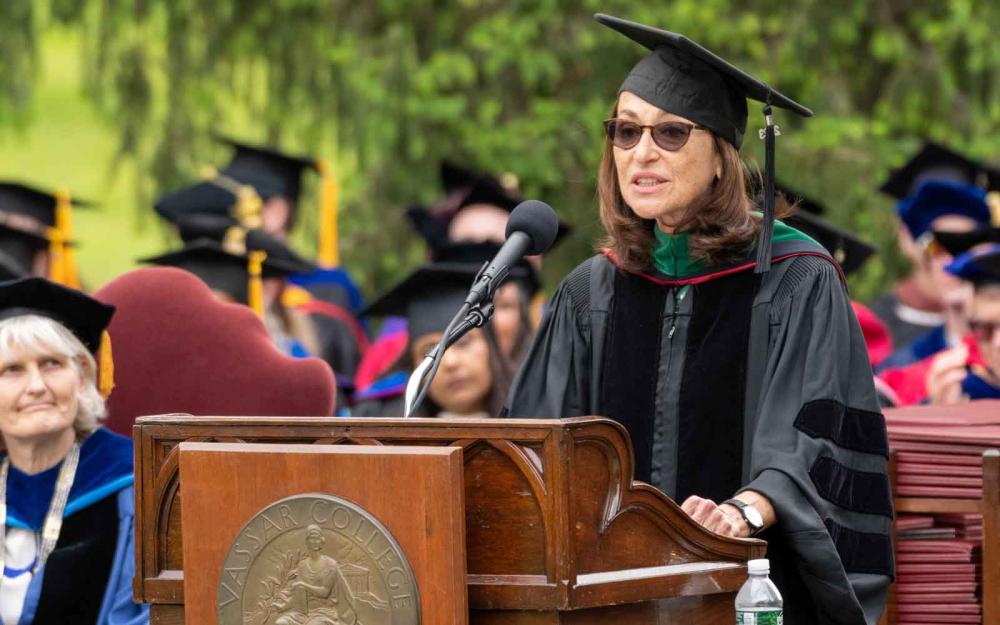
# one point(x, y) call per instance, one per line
point(938, 457)
point(938, 577)
point(938, 557)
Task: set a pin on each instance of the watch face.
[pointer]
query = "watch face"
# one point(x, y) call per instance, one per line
point(753, 517)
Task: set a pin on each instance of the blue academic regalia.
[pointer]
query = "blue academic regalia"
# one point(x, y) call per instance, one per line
point(924, 347)
point(975, 387)
point(98, 523)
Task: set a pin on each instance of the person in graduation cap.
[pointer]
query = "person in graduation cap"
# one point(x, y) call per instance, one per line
point(247, 267)
point(723, 342)
point(473, 378)
point(274, 175)
point(259, 190)
point(36, 232)
point(942, 217)
point(971, 369)
point(65, 482)
point(914, 306)
point(512, 324)
point(475, 209)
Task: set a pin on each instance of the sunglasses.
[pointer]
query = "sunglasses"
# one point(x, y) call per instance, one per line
point(670, 136)
point(983, 330)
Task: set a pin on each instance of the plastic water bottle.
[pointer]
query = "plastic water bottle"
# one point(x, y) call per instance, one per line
point(758, 602)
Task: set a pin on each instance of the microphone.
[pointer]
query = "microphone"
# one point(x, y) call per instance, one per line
point(531, 229)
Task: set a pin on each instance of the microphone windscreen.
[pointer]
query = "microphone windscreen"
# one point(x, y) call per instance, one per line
point(538, 221)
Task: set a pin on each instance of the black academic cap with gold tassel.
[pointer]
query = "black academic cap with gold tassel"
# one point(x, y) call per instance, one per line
point(48, 215)
point(84, 316)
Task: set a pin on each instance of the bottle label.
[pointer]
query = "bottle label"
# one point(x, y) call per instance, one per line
point(767, 617)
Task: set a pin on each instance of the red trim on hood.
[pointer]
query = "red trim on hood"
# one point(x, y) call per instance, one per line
point(718, 274)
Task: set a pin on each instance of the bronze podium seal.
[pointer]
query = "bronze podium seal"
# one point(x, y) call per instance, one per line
point(315, 559)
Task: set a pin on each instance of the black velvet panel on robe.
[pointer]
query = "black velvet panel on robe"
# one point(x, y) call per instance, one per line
point(710, 457)
point(713, 387)
point(632, 352)
point(77, 572)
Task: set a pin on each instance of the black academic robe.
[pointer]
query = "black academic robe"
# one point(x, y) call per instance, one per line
point(742, 383)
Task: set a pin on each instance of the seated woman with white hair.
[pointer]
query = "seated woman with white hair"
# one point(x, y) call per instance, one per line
point(66, 539)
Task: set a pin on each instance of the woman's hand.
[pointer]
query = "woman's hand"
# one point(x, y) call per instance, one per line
point(726, 519)
point(723, 520)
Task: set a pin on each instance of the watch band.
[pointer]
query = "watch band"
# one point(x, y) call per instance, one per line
point(754, 525)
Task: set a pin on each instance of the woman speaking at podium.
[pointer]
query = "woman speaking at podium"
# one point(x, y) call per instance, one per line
point(723, 341)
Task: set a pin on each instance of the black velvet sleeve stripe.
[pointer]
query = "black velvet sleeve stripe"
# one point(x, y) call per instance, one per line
point(857, 491)
point(862, 552)
point(850, 428)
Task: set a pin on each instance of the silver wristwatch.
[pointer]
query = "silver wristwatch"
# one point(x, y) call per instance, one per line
point(750, 514)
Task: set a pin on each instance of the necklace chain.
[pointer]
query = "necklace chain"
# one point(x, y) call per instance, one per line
point(54, 518)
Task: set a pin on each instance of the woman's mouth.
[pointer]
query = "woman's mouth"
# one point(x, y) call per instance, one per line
point(648, 183)
point(37, 407)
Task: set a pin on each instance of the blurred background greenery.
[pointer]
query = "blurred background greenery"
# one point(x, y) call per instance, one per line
point(115, 100)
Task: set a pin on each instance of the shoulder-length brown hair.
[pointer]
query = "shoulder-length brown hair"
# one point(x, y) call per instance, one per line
point(721, 226)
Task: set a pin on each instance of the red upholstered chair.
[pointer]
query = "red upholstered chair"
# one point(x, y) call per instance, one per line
point(178, 349)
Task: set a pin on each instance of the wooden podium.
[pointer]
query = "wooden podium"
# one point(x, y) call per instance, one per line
point(556, 530)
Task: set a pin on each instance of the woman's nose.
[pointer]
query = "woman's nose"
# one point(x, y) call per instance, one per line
point(36, 383)
point(451, 359)
point(646, 150)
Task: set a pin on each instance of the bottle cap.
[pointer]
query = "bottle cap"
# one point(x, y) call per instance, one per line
point(759, 567)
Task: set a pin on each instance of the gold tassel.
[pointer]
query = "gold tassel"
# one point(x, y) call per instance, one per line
point(294, 296)
point(64, 224)
point(249, 206)
point(255, 286)
point(56, 249)
point(105, 367)
point(535, 309)
point(993, 201)
point(329, 252)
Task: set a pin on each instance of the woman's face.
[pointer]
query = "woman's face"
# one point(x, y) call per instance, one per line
point(656, 183)
point(38, 393)
point(464, 380)
point(507, 317)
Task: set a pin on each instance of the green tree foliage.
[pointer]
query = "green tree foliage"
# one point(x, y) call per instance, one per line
point(388, 88)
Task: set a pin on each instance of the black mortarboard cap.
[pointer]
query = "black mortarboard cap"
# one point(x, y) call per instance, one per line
point(20, 246)
point(939, 163)
point(477, 253)
point(256, 159)
point(429, 297)
point(40, 205)
point(683, 78)
point(958, 243)
point(10, 269)
point(238, 240)
point(221, 269)
point(86, 317)
point(847, 249)
point(216, 197)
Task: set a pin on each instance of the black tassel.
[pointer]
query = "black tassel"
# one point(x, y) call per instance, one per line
point(767, 225)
